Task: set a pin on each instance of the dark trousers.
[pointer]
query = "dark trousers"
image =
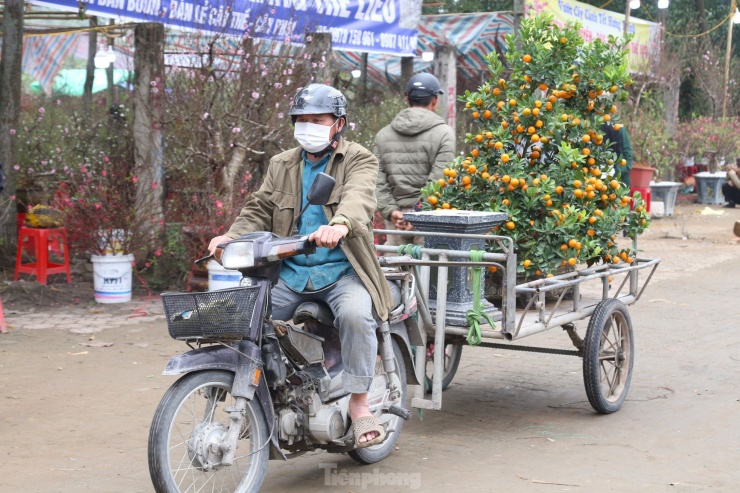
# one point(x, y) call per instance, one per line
point(731, 193)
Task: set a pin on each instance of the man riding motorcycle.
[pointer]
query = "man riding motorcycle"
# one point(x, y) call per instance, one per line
point(349, 278)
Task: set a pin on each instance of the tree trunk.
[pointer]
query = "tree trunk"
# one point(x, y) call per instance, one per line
point(363, 79)
point(148, 121)
point(10, 100)
point(670, 104)
point(92, 48)
point(110, 75)
point(407, 71)
point(702, 15)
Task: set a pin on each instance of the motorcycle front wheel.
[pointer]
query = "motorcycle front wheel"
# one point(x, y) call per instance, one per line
point(187, 427)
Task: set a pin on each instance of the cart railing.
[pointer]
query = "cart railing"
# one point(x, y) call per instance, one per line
point(537, 315)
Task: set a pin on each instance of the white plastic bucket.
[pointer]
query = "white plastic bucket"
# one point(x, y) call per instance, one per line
point(112, 278)
point(220, 278)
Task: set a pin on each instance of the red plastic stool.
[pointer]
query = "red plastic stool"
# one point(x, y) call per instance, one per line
point(645, 192)
point(43, 238)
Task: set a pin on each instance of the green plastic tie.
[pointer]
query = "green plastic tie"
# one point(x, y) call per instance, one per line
point(476, 315)
point(412, 250)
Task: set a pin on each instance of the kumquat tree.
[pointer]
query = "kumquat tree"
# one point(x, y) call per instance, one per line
point(540, 154)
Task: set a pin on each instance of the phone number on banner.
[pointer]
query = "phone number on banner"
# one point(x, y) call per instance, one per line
point(359, 38)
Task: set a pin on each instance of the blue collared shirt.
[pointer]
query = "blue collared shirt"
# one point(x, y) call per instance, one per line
point(326, 266)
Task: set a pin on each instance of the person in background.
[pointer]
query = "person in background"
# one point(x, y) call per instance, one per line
point(622, 146)
point(412, 151)
point(731, 189)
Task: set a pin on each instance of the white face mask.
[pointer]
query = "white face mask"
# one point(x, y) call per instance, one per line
point(312, 136)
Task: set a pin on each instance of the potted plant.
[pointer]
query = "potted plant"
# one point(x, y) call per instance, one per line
point(538, 153)
point(654, 146)
point(97, 203)
point(717, 140)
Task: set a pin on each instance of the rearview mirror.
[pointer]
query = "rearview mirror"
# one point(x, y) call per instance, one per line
point(321, 189)
point(318, 194)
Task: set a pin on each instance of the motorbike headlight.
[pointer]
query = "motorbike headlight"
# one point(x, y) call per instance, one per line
point(238, 255)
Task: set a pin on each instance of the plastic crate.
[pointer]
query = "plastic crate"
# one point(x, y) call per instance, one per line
point(217, 315)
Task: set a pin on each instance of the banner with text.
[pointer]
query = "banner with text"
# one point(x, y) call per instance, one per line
point(378, 26)
point(600, 23)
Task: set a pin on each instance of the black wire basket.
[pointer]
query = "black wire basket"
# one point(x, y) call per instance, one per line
point(215, 315)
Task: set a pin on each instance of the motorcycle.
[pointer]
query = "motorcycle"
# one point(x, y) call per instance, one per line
point(254, 388)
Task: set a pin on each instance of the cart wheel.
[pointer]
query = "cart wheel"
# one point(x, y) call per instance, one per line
point(608, 356)
point(453, 353)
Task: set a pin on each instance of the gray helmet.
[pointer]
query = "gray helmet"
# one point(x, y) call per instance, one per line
point(316, 99)
point(423, 85)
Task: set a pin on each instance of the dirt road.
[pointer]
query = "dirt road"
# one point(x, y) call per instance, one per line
point(75, 418)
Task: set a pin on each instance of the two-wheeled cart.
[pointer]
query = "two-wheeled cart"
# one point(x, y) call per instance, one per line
point(600, 293)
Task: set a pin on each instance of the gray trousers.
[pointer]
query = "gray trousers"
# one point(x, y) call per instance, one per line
point(353, 312)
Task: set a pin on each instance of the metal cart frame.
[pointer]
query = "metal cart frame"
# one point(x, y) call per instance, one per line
point(607, 312)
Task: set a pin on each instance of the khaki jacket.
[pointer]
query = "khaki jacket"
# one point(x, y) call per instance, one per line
point(412, 151)
point(274, 206)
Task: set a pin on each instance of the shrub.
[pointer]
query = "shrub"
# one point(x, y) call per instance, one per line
point(540, 155)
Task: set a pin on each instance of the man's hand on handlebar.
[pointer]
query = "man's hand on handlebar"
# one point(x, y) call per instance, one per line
point(328, 236)
point(216, 242)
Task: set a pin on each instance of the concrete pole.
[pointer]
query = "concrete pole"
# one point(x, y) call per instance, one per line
point(728, 53)
point(626, 17)
point(148, 120)
point(445, 68)
point(518, 14)
point(10, 105)
point(319, 59)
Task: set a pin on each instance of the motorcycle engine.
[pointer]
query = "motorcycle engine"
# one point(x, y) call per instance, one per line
point(327, 424)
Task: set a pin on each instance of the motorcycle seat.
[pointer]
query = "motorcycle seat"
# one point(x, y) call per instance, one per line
point(316, 310)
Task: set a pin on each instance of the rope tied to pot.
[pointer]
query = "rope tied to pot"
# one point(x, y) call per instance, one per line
point(414, 251)
point(476, 315)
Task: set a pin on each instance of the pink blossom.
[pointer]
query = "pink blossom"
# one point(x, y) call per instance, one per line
point(147, 264)
point(280, 115)
point(98, 206)
point(255, 95)
point(105, 173)
point(42, 110)
point(219, 204)
point(134, 179)
point(58, 150)
point(12, 131)
point(158, 252)
point(236, 130)
point(154, 185)
point(59, 102)
point(16, 167)
point(106, 159)
point(12, 197)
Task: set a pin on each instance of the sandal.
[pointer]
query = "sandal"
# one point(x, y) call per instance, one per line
point(365, 425)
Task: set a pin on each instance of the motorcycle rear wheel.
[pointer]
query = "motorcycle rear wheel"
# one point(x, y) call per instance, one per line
point(393, 423)
point(190, 415)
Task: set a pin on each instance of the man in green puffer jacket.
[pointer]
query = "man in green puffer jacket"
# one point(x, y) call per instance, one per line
point(412, 151)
